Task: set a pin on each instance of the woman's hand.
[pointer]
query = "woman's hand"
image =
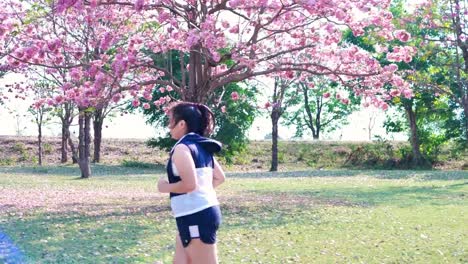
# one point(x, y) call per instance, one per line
point(162, 185)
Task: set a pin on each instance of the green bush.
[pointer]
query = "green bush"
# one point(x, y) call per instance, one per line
point(34, 160)
point(138, 164)
point(47, 148)
point(7, 162)
point(19, 147)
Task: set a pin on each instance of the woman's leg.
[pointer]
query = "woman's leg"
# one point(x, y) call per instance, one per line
point(201, 253)
point(180, 256)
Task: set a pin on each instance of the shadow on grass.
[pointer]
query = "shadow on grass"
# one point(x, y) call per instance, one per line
point(96, 170)
point(78, 233)
point(103, 237)
point(378, 174)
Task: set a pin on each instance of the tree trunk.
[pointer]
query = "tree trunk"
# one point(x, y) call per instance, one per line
point(67, 120)
point(39, 139)
point(275, 115)
point(63, 146)
point(84, 122)
point(465, 111)
point(97, 127)
point(316, 135)
point(418, 159)
point(73, 149)
point(313, 124)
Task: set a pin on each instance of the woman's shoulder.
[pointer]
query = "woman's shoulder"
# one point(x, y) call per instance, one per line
point(181, 148)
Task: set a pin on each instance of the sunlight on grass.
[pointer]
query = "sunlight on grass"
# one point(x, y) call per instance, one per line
point(295, 217)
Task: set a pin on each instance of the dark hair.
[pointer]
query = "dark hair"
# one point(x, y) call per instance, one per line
point(198, 117)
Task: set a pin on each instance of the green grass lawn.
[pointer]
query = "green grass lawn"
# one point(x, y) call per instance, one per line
point(295, 217)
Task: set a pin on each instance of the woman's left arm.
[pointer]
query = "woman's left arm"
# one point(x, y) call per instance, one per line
point(183, 161)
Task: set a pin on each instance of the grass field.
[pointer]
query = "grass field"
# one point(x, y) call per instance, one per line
point(342, 216)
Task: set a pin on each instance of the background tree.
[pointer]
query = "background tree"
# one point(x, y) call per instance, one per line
point(444, 28)
point(85, 55)
point(428, 75)
point(320, 105)
point(234, 107)
point(433, 114)
point(40, 113)
point(279, 104)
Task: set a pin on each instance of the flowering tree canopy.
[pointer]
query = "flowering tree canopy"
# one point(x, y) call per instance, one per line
point(101, 48)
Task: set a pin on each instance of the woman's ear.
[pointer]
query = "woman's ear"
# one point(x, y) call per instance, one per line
point(182, 123)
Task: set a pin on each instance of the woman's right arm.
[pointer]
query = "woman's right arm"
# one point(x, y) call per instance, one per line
point(218, 174)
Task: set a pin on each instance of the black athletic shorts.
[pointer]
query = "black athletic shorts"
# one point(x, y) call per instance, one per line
point(202, 225)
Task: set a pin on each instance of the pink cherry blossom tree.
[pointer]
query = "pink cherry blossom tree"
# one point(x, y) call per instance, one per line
point(104, 50)
point(86, 57)
point(228, 41)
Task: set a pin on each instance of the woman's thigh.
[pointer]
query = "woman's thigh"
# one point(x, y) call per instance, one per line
point(201, 253)
point(180, 256)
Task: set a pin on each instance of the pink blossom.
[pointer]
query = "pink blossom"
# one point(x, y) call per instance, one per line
point(58, 60)
point(340, 14)
point(106, 41)
point(93, 70)
point(407, 93)
point(267, 105)
point(387, 15)
point(326, 95)
point(78, 55)
point(234, 29)
point(59, 99)
point(169, 88)
point(146, 106)
point(223, 109)
point(384, 106)
point(193, 38)
point(136, 103)
point(116, 98)
point(53, 45)
point(75, 74)
point(147, 95)
point(216, 57)
point(391, 68)
point(162, 89)
point(30, 52)
point(19, 53)
point(139, 5)
point(163, 17)
point(397, 81)
point(402, 35)
point(395, 93)
point(345, 101)
point(225, 24)
point(234, 96)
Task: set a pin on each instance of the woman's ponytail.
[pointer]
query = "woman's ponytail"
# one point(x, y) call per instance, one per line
point(208, 120)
